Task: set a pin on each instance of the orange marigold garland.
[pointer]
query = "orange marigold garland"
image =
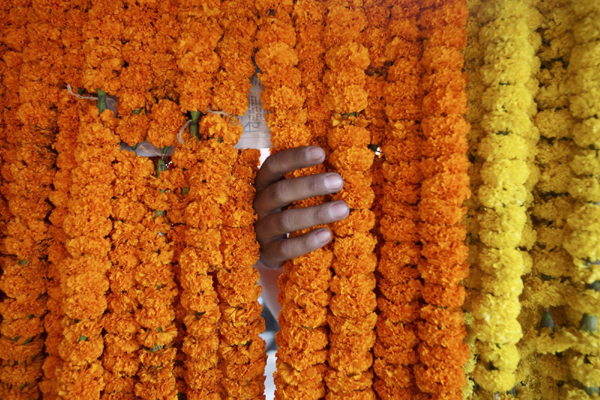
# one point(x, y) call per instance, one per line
point(302, 338)
point(241, 351)
point(156, 292)
point(65, 145)
point(31, 174)
point(353, 301)
point(444, 189)
point(83, 276)
point(103, 35)
point(235, 50)
point(398, 276)
point(197, 261)
point(120, 359)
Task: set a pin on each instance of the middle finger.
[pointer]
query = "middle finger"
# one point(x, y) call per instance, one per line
point(284, 192)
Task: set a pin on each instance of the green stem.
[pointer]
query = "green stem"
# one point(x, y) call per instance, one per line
point(194, 125)
point(591, 390)
point(101, 101)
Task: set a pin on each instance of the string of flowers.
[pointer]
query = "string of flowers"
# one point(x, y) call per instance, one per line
point(301, 339)
point(137, 77)
point(473, 55)
point(582, 241)
point(444, 189)
point(197, 262)
point(31, 174)
point(119, 358)
point(83, 275)
point(156, 291)
point(164, 62)
point(353, 301)
point(235, 50)
point(543, 369)
point(102, 48)
point(72, 39)
point(195, 52)
point(241, 350)
point(398, 278)
point(507, 177)
point(65, 145)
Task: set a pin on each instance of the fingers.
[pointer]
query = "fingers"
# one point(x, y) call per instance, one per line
point(280, 250)
point(277, 224)
point(287, 161)
point(284, 192)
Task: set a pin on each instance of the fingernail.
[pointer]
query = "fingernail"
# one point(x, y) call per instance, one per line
point(323, 236)
point(333, 181)
point(315, 154)
point(338, 210)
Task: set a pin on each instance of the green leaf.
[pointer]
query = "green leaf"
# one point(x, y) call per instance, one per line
point(155, 348)
point(185, 191)
point(82, 339)
point(159, 213)
point(101, 101)
point(594, 286)
point(22, 386)
point(374, 147)
point(136, 112)
point(591, 390)
point(160, 330)
point(134, 148)
point(502, 133)
point(220, 140)
point(199, 314)
point(352, 114)
point(16, 339)
point(159, 287)
point(589, 324)
point(23, 262)
point(80, 91)
point(29, 340)
point(547, 321)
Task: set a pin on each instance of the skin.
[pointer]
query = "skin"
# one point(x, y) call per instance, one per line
point(273, 194)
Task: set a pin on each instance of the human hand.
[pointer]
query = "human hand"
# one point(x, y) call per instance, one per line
point(273, 193)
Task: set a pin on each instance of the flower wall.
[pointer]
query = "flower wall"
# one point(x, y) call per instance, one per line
point(467, 135)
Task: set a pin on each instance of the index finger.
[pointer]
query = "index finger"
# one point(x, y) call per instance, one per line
point(282, 162)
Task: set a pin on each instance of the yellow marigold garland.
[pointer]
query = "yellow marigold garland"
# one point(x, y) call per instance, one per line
point(507, 177)
point(542, 368)
point(583, 307)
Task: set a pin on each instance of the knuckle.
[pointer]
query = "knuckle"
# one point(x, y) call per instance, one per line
point(314, 184)
point(283, 222)
point(278, 192)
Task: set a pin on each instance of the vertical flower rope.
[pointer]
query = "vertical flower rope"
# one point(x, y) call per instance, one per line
point(241, 350)
point(583, 307)
point(156, 292)
point(507, 178)
point(119, 358)
point(65, 145)
point(473, 55)
point(543, 369)
point(398, 281)
point(83, 275)
point(352, 306)
point(235, 50)
point(31, 171)
point(302, 338)
point(444, 189)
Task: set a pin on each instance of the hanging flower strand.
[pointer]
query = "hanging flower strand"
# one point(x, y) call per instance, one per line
point(582, 242)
